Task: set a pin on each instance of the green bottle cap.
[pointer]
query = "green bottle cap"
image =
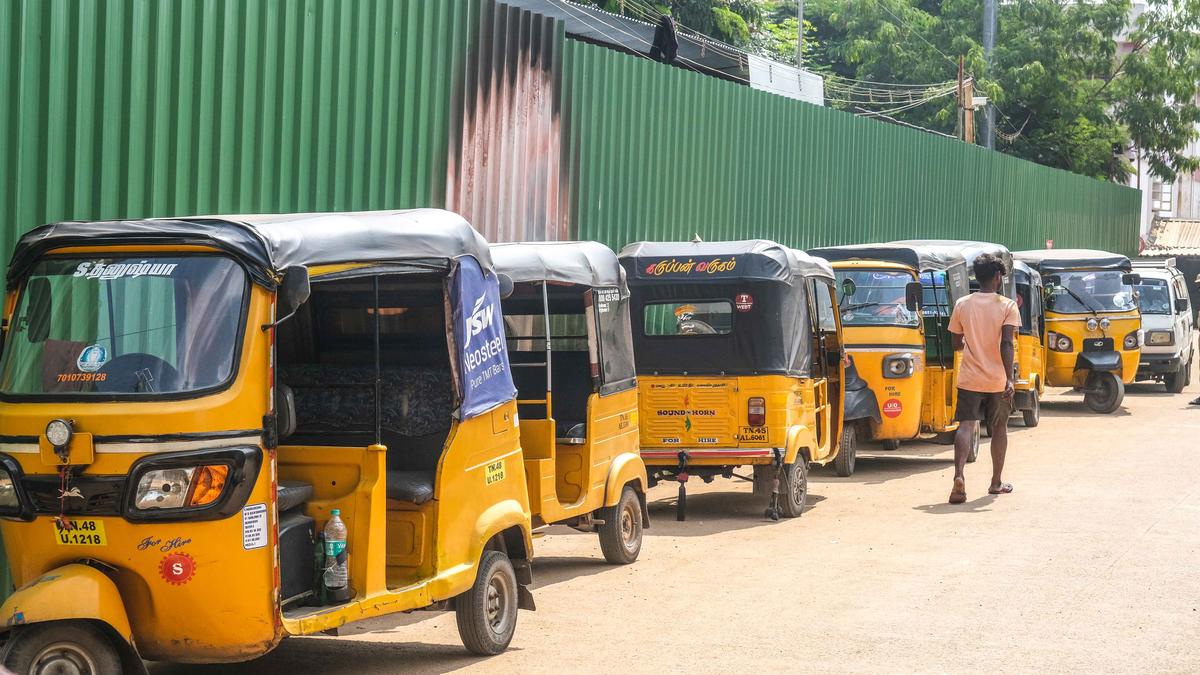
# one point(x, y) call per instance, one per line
point(335, 512)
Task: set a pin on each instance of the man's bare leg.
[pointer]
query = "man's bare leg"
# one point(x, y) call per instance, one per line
point(962, 448)
point(999, 449)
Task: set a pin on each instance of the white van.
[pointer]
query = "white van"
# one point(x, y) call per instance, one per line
point(1167, 348)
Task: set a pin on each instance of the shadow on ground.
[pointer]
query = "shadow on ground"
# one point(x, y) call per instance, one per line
point(712, 512)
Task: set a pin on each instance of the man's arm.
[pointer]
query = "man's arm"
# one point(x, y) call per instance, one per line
point(959, 342)
point(1007, 355)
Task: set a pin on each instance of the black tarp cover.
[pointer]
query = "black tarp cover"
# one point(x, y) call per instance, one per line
point(920, 257)
point(771, 336)
point(972, 250)
point(271, 243)
point(1048, 261)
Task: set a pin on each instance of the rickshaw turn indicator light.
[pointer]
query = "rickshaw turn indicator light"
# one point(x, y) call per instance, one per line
point(8, 490)
point(899, 365)
point(181, 488)
point(756, 411)
point(1160, 338)
point(1132, 341)
point(1059, 342)
point(59, 433)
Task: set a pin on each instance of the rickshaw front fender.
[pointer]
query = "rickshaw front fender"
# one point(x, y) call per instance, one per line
point(501, 517)
point(798, 438)
point(74, 591)
point(627, 468)
point(1103, 362)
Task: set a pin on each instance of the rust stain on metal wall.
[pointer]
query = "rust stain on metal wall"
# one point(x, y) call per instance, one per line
point(504, 171)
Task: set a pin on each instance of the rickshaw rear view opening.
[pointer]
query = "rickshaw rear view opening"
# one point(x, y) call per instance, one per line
point(739, 363)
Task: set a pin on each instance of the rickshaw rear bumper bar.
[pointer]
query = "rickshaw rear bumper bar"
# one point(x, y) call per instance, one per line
point(672, 455)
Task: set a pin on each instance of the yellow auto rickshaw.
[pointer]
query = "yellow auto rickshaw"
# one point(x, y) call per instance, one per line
point(187, 402)
point(739, 363)
point(567, 325)
point(1092, 323)
point(1031, 352)
point(895, 305)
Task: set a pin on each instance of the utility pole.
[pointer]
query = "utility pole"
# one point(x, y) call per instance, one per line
point(960, 121)
point(989, 43)
point(800, 33)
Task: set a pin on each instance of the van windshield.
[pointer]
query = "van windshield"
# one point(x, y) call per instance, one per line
point(1154, 296)
point(878, 299)
point(118, 326)
point(1086, 292)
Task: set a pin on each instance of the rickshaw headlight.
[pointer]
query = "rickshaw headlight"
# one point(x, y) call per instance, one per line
point(180, 488)
point(898, 365)
point(8, 490)
point(1093, 324)
point(1160, 338)
point(1059, 342)
point(59, 433)
point(1105, 323)
point(1132, 341)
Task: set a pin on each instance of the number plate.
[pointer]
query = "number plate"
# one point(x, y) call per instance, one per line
point(80, 532)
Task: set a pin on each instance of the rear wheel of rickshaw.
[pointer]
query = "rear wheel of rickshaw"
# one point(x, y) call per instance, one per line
point(1033, 415)
point(487, 614)
point(621, 533)
point(891, 444)
point(68, 647)
point(1106, 391)
point(793, 489)
point(847, 451)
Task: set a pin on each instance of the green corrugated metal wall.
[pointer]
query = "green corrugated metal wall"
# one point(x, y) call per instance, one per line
point(130, 108)
point(662, 153)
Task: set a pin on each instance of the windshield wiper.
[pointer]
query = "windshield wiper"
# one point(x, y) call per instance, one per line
point(851, 308)
point(1080, 300)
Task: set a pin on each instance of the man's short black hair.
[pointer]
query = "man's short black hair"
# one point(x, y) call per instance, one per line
point(988, 267)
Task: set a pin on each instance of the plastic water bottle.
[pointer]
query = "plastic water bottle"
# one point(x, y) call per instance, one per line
point(337, 571)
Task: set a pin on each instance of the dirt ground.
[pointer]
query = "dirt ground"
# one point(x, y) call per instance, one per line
point(1090, 565)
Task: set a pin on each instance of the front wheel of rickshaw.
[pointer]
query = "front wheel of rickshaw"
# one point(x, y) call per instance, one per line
point(793, 489)
point(487, 614)
point(891, 444)
point(1105, 392)
point(76, 647)
point(847, 455)
point(1033, 415)
point(621, 533)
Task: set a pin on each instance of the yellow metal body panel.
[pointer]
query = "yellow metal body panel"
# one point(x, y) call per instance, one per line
point(1060, 366)
point(941, 398)
point(707, 417)
point(901, 400)
point(1031, 364)
point(72, 591)
point(567, 480)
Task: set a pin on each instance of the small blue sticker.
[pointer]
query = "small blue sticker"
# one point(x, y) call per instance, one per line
point(92, 358)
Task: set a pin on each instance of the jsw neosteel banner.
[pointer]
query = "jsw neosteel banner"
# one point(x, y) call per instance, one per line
point(483, 366)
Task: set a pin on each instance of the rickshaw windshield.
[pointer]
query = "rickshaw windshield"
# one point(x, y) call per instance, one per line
point(878, 298)
point(1085, 292)
point(120, 326)
point(1154, 296)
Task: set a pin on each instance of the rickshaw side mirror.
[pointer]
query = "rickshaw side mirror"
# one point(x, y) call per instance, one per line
point(506, 285)
point(1053, 280)
point(1181, 304)
point(294, 289)
point(912, 295)
point(40, 309)
point(1131, 279)
point(848, 287)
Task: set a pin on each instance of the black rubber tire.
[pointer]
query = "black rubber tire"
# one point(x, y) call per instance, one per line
point(1176, 381)
point(973, 454)
point(945, 437)
point(1033, 416)
point(487, 613)
point(81, 645)
point(793, 489)
point(621, 533)
point(847, 454)
point(1110, 400)
point(891, 444)
point(764, 480)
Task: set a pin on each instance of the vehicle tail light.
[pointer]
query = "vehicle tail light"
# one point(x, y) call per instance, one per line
point(756, 411)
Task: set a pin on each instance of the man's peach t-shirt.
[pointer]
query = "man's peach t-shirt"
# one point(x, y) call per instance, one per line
point(980, 318)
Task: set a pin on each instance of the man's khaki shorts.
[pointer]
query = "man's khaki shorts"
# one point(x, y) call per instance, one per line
point(984, 407)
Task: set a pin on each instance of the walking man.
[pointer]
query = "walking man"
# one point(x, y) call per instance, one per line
point(983, 326)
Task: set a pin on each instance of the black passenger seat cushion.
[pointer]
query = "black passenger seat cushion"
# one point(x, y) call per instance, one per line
point(292, 493)
point(415, 487)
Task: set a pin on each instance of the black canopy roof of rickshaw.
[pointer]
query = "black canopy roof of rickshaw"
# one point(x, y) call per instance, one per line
point(585, 263)
point(758, 260)
point(970, 249)
point(1048, 261)
point(1021, 268)
point(923, 257)
point(271, 243)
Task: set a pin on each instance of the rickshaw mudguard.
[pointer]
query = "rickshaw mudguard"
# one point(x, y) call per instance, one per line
point(627, 467)
point(798, 438)
point(74, 591)
point(1103, 362)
